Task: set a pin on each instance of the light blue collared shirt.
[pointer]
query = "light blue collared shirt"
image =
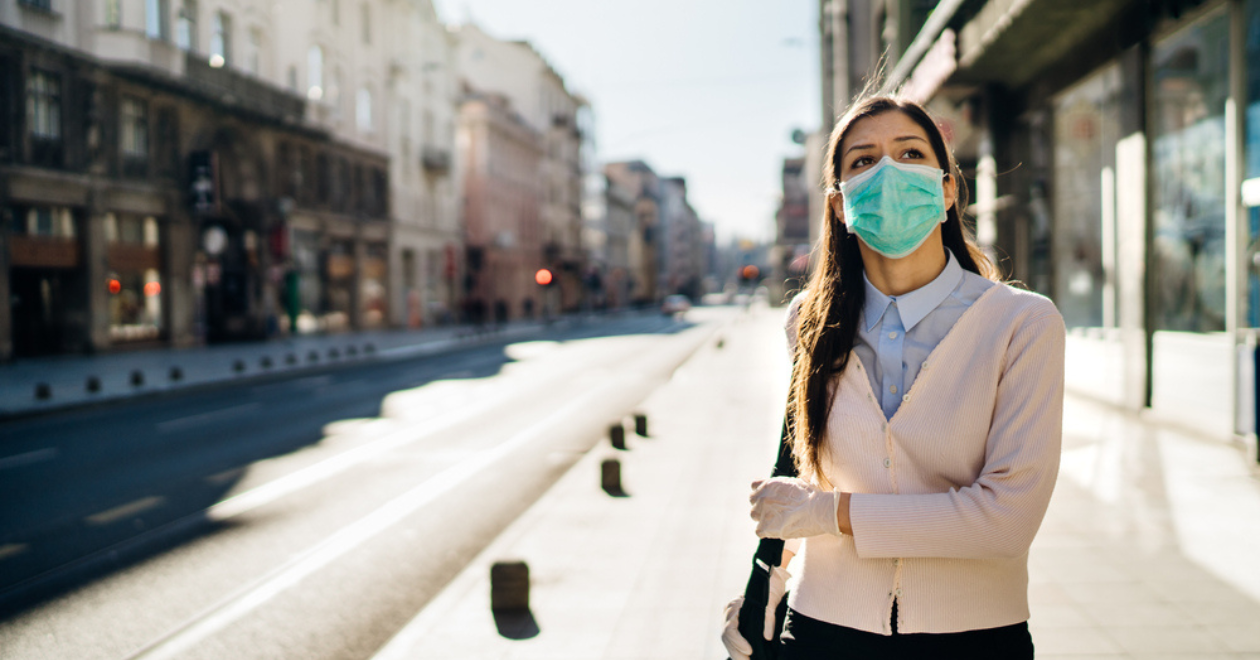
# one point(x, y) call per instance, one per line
point(897, 333)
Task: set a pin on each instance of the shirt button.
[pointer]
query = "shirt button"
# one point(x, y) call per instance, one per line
point(892, 388)
point(887, 462)
point(897, 562)
point(892, 335)
point(905, 398)
point(925, 365)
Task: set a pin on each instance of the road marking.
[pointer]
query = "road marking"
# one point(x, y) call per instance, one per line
point(28, 458)
point(252, 596)
point(193, 420)
point(12, 549)
point(124, 511)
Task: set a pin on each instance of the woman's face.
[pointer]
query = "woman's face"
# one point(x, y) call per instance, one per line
point(892, 134)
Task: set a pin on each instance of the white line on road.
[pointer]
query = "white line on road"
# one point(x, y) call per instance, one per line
point(28, 458)
point(195, 420)
point(249, 598)
point(12, 549)
point(124, 511)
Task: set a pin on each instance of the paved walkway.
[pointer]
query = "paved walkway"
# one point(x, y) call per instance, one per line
point(1149, 549)
point(58, 382)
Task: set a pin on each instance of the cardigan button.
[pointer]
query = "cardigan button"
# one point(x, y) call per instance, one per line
point(898, 592)
point(887, 462)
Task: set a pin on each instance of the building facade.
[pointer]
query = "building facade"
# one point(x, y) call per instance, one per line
point(500, 155)
point(789, 256)
point(150, 182)
point(643, 187)
point(1114, 151)
point(515, 70)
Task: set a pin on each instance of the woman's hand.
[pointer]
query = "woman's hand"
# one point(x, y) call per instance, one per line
point(790, 508)
point(738, 647)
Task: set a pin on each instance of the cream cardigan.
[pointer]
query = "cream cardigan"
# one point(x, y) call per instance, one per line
point(948, 495)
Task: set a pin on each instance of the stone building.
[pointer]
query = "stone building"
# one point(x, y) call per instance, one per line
point(150, 182)
point(515, 70)
point(643, 187)
point(500, 157)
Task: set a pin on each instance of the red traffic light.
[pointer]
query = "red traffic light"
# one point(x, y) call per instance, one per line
point(749, 272)
point(543, 277)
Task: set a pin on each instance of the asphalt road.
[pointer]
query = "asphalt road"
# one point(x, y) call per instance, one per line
point(308, 517)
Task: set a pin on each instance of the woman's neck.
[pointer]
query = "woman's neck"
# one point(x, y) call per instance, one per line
point(895, 277)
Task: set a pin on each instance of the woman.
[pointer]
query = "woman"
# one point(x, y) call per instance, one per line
point(928, 461)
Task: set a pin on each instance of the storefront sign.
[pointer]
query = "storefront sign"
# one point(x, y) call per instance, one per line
point(43, 252)
point(130, 258)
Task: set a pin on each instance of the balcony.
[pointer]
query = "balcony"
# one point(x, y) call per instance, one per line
point(435, 160)
point(234, 88)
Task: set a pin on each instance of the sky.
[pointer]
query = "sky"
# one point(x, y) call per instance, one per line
point(705, 89)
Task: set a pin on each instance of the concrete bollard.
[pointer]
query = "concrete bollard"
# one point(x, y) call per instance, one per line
point(640, 424)
point(312, 356)
point(351, 351)
point(509, 586)
point(265, 362)
point(176, 373)
point(333, 354)
point(617, 435)
point(238, 366)
point(43, 392)
point(290, 359)
point(369, 348)
point(137, 378)
point(93, 384)
point(610, 476)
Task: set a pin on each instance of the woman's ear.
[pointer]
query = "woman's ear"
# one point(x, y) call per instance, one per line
point(951, 190)
point(836, 200)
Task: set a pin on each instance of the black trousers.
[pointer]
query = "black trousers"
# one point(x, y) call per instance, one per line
point(810, 639)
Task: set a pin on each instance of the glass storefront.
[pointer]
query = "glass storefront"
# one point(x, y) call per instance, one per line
point(1251, 156)
point(1189, 86)
point(1086, 130)
point(133, 254)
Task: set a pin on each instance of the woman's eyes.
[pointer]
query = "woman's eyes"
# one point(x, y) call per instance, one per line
point(908, 154)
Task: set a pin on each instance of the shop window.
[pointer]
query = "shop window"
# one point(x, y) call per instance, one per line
point(1086, 130)
point(134, 280)
point(1252, 155)
point(49, 222)
point(1190, 80)
point(113, 14)
point(186, 26)
point(363, 110)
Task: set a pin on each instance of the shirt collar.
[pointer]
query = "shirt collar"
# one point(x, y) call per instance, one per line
point(917, 304)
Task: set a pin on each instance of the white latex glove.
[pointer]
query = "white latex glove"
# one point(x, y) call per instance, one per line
point(791, 508)
point(736, 645)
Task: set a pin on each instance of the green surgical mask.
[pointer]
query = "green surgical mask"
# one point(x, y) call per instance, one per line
point(893, 207)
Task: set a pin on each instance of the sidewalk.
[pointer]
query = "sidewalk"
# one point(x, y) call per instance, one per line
point(51, 383)
point(1148, 551)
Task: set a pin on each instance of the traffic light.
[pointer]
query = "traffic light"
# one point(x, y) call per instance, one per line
point(749, 274)
point(544, 277)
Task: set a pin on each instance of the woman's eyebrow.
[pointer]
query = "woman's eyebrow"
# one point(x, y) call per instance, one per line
point(903, 138)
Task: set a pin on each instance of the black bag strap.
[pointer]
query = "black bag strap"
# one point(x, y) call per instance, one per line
point(752, 616)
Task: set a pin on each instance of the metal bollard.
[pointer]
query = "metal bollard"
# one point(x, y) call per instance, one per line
point(509, 586)
point(640, 424)
point(617, 435)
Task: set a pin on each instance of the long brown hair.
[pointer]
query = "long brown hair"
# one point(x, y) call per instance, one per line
point(828, 316)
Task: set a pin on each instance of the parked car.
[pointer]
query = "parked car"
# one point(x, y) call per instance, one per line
point(675, 304)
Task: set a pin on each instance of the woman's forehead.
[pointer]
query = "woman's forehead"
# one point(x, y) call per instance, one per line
point(891, 124)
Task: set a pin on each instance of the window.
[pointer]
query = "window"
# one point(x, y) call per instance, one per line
point(253, 52)
point(43, 105)
point(46, 5)
point(292, 78)
point(155, 19)
point(1191, 79)
point(221, 40)
point(50, 222)
point(334, 92)
point(336, 11)
point(134, 132)
point(363, 110)
point(133, 256)
point(365, 21)
point(315, 73)
point(113, 13)
point(186, 26)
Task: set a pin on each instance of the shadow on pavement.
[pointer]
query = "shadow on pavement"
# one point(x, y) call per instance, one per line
point(516, 624)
